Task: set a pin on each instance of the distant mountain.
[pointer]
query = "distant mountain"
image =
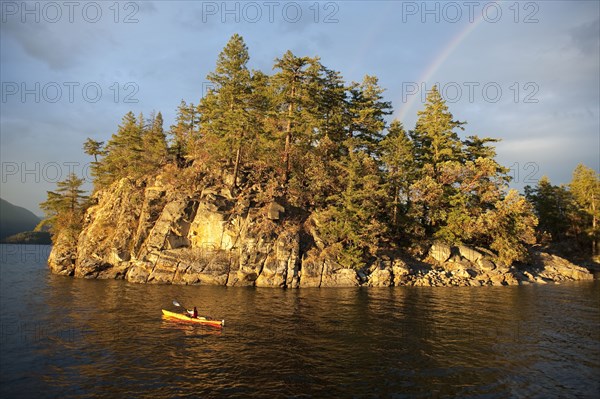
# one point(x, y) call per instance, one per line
point(15, 219)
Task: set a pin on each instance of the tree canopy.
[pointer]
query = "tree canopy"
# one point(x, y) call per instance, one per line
point(304, 136)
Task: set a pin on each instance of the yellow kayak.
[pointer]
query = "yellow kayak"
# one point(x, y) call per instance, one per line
point(190, 319)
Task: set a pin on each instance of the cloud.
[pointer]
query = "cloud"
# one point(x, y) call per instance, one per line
point(60, 46)
point(586, 37)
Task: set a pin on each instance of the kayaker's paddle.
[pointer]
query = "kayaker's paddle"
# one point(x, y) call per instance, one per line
point(205, 318)
point(180, 305)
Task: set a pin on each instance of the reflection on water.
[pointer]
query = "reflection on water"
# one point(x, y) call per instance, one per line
point(66, 337)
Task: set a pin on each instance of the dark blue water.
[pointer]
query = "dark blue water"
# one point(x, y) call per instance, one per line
point(62, 337)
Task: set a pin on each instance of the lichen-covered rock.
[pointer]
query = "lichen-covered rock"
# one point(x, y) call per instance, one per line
point(63, 255)
point(154, 202)
point(211, 227)
point(311, 271)
point(279, 262)
point(201, 267)
point(107, 238)
point(139, 272)
point(164, 270)
point(171, 229)
point(253, 253)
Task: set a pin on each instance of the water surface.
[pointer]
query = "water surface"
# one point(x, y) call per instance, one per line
point(64, 337)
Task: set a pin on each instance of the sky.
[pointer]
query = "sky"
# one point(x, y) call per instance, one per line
point(526, 72)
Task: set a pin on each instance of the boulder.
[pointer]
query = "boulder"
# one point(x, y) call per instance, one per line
point(311, 270)
point(338, 277)
point(274, 211)
point(400, 272)
point(462, 273)
point(469, 253)
point(440, 252)
point(485, 264)
point(457, 265)
point(380, 278)
point(552, 267)
point(497, 279)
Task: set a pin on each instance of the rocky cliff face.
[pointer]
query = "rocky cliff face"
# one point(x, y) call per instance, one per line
point(162, 234)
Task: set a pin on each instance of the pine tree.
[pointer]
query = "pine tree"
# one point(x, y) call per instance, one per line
point(124, 152)
point(185, 132)
point(292, 82)
point(330, 105)
point(476, 147)
point(368, 110)
point(434, 136)
point(93, 148)
point(555, 208)
point(397, 155)
point(155, 143)
point(353, 225)
point(227, 116)
point(65, 207)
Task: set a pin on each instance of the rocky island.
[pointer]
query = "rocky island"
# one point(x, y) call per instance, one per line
point(155, 234)
point(296, 180)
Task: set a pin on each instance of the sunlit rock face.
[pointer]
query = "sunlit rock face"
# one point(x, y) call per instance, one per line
point(158, 233)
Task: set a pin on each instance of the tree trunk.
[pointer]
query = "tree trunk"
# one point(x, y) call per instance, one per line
point(396, 199)
point(594, 226)
point(236, 168)
point(288, 138)
point(288, 142)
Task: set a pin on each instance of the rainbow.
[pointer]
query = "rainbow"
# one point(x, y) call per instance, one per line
point(436, 64)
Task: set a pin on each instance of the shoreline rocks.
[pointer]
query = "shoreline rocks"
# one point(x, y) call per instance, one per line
point(158, 235)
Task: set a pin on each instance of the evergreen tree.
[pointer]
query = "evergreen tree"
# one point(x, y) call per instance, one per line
point(434, 137)
point(555, 208)
point(185, 131)
point(585, 187)
point(368, 110)
point(93, 148)
point(353, 225)
point(476, 147)
point(155, 143)
point(321, 137)
point(509, 227)
point(124, 152)
point(292, 82)
point(331, 107)
point(65, 207)
point(227, 116)
point(401, 171)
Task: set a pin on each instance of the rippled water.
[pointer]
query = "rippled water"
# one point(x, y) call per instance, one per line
point(63, 337)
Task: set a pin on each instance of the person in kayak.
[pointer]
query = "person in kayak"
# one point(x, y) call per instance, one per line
point(193, 313)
